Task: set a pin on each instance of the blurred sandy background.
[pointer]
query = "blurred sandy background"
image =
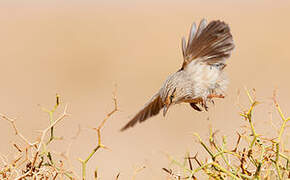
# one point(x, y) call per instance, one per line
point(80, 49)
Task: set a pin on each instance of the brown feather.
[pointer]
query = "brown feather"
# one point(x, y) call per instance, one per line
point(211, 43)
point(152, 108)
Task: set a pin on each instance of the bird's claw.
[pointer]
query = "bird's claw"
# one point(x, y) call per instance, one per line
point(203, 103)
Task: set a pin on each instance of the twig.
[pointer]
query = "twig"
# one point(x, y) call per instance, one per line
point(12, 121)
point(98, 129)
point(65, 114)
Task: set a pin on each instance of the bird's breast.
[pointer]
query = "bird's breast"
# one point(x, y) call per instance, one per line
point(205, 78)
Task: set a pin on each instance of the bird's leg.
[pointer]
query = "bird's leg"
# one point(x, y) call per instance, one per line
point(210, 96)
point(196, 100)
point(213, 95)
point(203, 104)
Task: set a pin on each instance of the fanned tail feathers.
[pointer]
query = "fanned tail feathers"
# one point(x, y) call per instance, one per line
point(211, 43)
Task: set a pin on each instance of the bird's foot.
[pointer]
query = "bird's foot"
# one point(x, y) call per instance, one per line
point(204, 105)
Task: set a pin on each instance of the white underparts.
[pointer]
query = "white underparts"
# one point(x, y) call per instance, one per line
point(206, 79)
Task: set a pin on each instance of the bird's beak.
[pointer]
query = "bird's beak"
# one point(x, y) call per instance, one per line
point(165, 109)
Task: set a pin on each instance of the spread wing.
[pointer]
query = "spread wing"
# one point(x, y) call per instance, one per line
point(212, 43)
point(152, 108)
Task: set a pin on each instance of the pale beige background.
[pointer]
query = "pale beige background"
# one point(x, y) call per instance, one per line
point(80, 49)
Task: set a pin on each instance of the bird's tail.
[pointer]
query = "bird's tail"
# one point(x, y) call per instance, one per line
point(211, 42)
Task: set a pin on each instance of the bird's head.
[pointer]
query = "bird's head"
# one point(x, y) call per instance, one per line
point(172, 91)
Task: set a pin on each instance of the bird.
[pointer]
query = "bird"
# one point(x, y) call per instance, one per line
point(201, 77)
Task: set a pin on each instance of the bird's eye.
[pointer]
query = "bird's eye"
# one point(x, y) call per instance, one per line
point(171, 97)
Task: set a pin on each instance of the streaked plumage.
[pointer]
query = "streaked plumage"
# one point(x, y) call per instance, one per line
point(201, 76)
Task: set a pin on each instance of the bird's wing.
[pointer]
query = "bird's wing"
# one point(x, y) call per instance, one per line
point(152, 108)
point(211, 43)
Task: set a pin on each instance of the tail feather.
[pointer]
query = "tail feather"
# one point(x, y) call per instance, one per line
point(211, 43)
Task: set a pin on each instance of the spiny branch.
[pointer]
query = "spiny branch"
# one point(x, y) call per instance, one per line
point(98, 129)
